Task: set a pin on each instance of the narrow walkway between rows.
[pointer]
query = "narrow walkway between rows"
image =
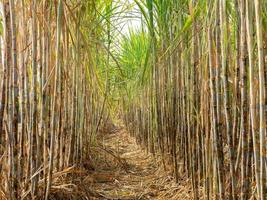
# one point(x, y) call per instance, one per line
point(128, 172)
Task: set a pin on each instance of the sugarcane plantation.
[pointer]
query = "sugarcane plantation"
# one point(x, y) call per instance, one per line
point(133, 99)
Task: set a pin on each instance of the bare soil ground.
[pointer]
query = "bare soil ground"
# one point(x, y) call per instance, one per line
point(119, 169)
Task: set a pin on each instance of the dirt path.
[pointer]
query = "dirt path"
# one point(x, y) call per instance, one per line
point(125, 171)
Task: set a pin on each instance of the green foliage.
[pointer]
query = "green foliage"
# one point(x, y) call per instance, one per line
point(133, 60)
